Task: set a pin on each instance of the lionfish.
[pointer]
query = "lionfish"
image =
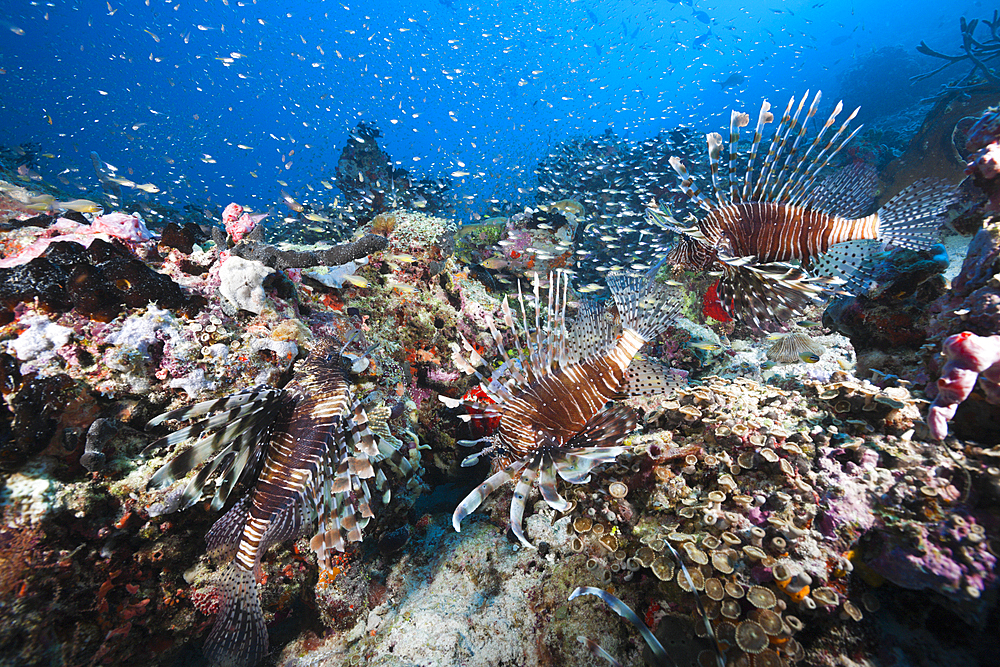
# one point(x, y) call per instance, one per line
point(551, 396)
point(782, 215)
point(306, 455)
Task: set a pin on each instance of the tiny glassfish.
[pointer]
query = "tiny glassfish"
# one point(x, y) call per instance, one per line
point(708, 347)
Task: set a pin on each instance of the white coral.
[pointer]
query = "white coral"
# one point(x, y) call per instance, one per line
point(243, 283)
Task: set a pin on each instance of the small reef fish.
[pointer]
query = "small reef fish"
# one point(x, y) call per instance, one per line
point(308, 456)
point(48, 204)
point(782, 215)
point(549, 397)
point(707, 347)
point(795, 347)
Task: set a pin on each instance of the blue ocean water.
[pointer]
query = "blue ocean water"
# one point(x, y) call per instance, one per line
point(223, 100)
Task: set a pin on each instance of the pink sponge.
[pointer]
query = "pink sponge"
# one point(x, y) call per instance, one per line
point(969, 357)
point(239, 224)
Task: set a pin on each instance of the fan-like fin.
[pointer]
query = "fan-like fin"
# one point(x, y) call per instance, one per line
point(547, 484)
point(472, 501)
point(646, 377)
point(911, 219)
point(774, 291)
point(521, 491)
point(239, 636)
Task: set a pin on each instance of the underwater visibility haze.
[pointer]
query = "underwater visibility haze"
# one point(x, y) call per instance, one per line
point(662, 332)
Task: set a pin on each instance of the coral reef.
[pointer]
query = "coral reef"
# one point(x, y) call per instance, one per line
point(815, 516)
point(892, 313)
point(970, 357)
point(970, 310)
point(983, 146)
point(977, 52)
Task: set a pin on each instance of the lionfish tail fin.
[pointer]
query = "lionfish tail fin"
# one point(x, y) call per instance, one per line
point(911, 219)
point(763, 292)
point(646, 307)
point(239, 636)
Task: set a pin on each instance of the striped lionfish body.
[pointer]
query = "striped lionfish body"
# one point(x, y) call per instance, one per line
point(551, 395)
point(781, 214)
point(307, 456)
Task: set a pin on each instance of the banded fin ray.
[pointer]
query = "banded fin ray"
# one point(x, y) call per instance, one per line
point(476, 497)
point(521, 491)
point(239, 636)
point(911, 218)
point(547, 484)
point(646, 377)
point(204, 407)
point(766, 291)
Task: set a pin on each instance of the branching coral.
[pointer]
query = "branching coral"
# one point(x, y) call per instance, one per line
point(977, 52)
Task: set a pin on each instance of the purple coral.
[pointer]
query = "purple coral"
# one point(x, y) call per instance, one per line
point(969, 357)
point(984, 161)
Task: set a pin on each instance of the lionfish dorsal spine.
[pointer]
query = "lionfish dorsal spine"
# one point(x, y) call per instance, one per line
point(688, 185)
point(714, 140)
point(737, 119)
point(774, 150)
point(791, 160)
point(803, 161)
point(765, 116)
point(806, 187)
point(806, 170)
point(774, 178)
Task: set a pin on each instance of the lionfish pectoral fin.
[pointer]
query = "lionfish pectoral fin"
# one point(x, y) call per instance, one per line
point(206, 407)
point(472, 501)
point(547, 484)
point(607, 429)
point(776, 291)
point(646, 307)
point(851, 263)
point(247, 422)
point(598, 651)
point(224, 535)
point(626, 612)
point(646, 377)
point(239, 636)
point(911, 219)
point(517, 503)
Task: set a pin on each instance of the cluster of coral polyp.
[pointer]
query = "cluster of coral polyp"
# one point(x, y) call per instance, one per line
point(787, 508)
